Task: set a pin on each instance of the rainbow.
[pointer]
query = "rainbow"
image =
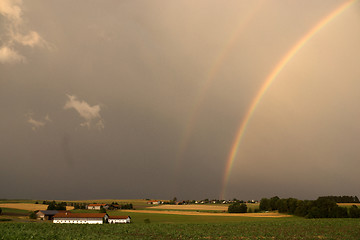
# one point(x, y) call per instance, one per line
point(267, 83)
point(210, 76)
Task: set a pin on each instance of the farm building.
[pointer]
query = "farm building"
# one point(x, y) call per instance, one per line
point(46, 214)
point(81, 218)
point(119, 219)
point(97, 206)
point(154, 202)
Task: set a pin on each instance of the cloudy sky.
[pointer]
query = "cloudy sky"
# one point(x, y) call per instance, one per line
point(144, 99)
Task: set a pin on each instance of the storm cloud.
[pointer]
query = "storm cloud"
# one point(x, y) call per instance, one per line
point(144, 99)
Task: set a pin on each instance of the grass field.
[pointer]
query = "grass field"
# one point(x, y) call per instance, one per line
point(244, 228)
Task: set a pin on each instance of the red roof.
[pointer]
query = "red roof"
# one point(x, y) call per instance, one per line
point(119, 217)
point(79, 215)
point(97, 204)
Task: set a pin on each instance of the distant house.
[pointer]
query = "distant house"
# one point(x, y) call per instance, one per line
point(154, 202)
point(119, 219)
point(81, 218)
point(46, 214)
point(97, 206)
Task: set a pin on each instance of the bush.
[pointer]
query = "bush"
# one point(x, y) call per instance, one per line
point(32, 215)
point(237, 208)
point(0, 211)
point(354, 212)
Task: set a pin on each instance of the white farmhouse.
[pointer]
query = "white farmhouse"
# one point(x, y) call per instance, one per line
point(81, 218)
point(119, 219)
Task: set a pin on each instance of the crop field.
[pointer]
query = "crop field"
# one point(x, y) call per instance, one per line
point(200, 207)
point(28, 206)
point(177, 222)
point(348, 204)
point(24, 206)
point(245, 228)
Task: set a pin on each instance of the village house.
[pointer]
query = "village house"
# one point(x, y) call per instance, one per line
point(119, 219)
point(154, 202)
point(46, 214)
point(97, 206)
point(80, 218)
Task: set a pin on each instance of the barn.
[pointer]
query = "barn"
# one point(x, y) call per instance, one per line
point(119, 219)
point(81, 218)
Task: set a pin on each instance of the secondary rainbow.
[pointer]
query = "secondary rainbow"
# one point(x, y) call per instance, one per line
point(211, 74)
point(267, 83)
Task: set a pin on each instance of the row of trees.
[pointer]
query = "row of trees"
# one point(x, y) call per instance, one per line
point(321, 208)
point(56, 206)
point(343, 199)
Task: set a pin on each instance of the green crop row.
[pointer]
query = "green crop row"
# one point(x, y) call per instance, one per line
point(289, 228)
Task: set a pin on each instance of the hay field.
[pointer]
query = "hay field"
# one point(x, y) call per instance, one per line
point(200, 207)
point(191, 213)
point(24, 206)
point(28, 206)
point(348, 204)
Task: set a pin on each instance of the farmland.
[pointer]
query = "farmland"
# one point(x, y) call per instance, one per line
point(245, 228)
point(178, 222)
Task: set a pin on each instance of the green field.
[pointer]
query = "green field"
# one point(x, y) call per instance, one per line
point(172, 226)
point(244, 228)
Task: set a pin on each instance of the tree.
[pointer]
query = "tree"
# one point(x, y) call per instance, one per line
point(273, 202)
point(354, 212)
point(102, 209)
point(237, 208)
point(0, 211)
point(265, 204)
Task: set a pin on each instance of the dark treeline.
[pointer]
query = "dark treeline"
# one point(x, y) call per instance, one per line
point(343, 199)
point(115, 205)
point(55, 206)
point(323, 207)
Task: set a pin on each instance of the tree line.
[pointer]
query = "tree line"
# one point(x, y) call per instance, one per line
point(323, 207)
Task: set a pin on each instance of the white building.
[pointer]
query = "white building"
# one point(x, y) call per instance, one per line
point(119, 219)
point(97, 206)
point(81, 218)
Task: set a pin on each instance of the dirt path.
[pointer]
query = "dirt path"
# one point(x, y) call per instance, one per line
point(269, 214)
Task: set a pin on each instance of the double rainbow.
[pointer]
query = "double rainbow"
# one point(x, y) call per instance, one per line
point(267, 83)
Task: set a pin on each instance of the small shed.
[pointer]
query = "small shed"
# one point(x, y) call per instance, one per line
point(119, 219)
point(46, 214)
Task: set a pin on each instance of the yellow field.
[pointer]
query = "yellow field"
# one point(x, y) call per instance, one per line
point(29, 206)
point(24, 206)
point(268, 214)
point(201, 207)
point(348, 204)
